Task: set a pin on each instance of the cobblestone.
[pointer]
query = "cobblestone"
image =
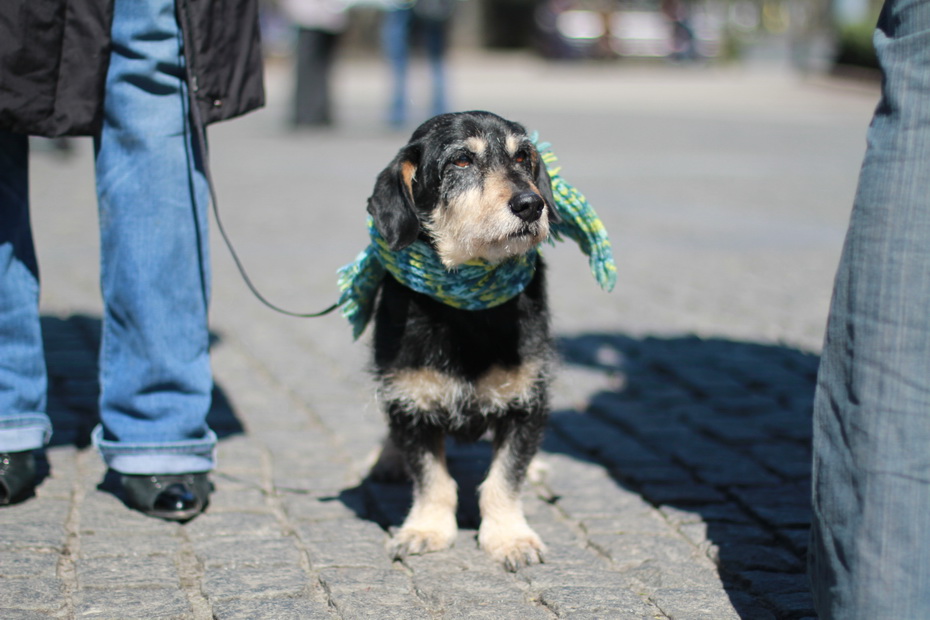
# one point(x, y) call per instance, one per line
point(674, 478)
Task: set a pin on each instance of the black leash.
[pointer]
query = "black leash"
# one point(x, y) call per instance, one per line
point(200, 132)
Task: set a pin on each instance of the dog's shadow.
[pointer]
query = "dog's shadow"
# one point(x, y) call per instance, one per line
point(714, 433)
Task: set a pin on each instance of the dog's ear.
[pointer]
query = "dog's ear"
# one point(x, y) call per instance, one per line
point(391, 205)
point(544, 183)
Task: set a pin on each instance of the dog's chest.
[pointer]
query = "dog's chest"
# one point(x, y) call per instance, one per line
point(499, 388)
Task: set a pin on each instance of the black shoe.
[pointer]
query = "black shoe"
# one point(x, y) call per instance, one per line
point(17, 476)
point(174, 497)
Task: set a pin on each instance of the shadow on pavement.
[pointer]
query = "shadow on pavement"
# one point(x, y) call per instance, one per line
point(716, 434)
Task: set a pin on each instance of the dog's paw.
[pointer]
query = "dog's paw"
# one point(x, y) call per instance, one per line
point(417, 541)
point(513, 545)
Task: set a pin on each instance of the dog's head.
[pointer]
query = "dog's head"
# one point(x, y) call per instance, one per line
point(470, 183)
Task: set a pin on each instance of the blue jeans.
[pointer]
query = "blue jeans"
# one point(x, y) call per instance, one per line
point(870, 546)
point(155, 373)
point(396, 28)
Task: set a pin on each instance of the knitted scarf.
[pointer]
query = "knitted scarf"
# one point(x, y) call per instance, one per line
point(477, 284)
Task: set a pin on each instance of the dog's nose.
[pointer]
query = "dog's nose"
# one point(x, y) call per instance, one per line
point(527, 206)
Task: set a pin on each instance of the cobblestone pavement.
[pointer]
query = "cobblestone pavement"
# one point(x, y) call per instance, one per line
point(674, 479)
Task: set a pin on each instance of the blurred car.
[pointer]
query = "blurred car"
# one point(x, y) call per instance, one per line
point(611, 29)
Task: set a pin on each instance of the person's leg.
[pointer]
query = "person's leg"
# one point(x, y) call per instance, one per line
point(434, 34)
point(395, 38)
point(312, 92)
point(24, 425)
point(156, 381)
point(870, 551)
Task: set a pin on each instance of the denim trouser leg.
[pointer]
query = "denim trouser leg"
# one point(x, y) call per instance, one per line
point(395, 38)
point(870, 551)
point(434, 38)
point(155, 373)
point(23, 422)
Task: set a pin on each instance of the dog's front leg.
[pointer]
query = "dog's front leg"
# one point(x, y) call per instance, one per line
point(430, 525)
point(504, 532)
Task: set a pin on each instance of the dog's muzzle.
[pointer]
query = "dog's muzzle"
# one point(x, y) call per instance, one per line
point(528, 206)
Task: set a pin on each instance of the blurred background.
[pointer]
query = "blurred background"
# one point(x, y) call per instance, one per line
point(810, 35)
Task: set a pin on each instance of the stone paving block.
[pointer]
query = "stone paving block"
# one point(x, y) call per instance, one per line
point(781, 506)
point(277, 608)
point(568, 473)
point(380, 606)
point(776, 583)
point(700, 604)
point(268, 552)
point(347, 553)
point(236, 496)
point(595, 603)
point(597, 437)
point(738, 472)
point(647, 521)
point(465, 556)
point(682, 494)
point(19, 533)
point(716, 532)
point(731, 432)
point(629, 550)
point(743, 407)
point(103, 514)
point(663, 472)
point(341, 580)
point(655, 574)
point(476, 594)
point(318, 482)
point(28, 563)
point(706, 381)
point(235, 582)
point(128, 544)
point(728, 512)
point(40, 594)
point(597, 500)
point(115, 603)
point(240, 524)
point(341, 530)
point(592, 574)
point(128, 572)
point(739, 557)
point(791, 604)
point(317, 506)
point(22, 614)
point(798, 538)
point(56, 486)
point(635, 417)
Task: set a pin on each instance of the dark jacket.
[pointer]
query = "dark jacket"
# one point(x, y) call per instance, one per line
point(54, 56)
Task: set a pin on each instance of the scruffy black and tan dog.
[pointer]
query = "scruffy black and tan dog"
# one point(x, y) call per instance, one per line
point(473, 186)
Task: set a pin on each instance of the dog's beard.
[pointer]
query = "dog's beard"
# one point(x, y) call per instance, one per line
point(492, 234)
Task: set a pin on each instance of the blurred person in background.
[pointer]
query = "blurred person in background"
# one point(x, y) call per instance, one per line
point(402, 21)
point(143, 77)
point(319, 24)
point(870, 546)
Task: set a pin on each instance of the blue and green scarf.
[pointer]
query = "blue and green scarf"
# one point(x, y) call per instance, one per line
point(477, 284)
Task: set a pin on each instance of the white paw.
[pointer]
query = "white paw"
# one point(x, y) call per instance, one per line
point(512, 544)
point(416, 540)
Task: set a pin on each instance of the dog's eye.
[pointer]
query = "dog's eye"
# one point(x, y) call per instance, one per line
point(521, 157)
point(462, 161)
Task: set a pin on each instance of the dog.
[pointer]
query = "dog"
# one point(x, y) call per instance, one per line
point(473, 186)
